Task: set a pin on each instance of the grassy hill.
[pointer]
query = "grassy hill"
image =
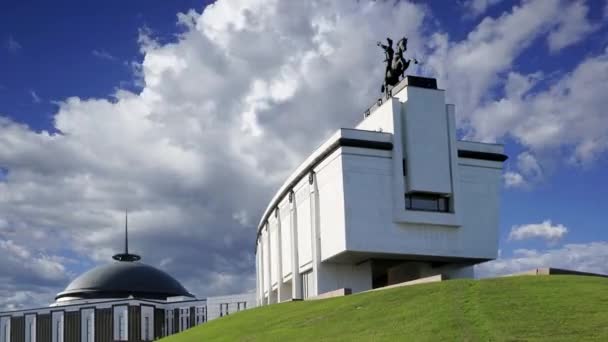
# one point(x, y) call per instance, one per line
point(527, 308)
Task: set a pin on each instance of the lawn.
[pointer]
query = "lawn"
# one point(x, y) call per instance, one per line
point(526, 308)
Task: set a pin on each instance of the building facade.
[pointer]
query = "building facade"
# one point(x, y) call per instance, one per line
point(397, 198)
point(125, 300)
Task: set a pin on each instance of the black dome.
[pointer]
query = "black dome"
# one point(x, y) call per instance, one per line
point(121, 280)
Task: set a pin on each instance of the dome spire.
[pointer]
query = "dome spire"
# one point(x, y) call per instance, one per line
point(126, 256)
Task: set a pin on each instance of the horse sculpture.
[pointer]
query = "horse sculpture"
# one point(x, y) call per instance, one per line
point(395, 63)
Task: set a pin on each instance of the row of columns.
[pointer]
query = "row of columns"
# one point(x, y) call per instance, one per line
point(292, 229)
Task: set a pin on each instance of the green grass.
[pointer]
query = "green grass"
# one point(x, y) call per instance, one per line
point(527, 308)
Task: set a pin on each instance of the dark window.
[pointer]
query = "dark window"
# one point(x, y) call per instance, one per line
point(147, 327)
point(224, 309)
point(427, 202)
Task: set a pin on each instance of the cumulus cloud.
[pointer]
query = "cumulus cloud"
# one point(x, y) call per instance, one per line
point(26, 278)
point(226, 112)
point(528, 172)
point(570, 113)
point(545, 230)
point(584, 257)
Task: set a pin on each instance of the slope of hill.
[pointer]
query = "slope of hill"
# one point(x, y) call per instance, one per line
point(526, 308)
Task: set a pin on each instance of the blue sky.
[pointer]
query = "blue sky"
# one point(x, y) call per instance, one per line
point(123, 107)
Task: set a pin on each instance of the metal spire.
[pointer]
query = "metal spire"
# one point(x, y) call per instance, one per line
point(126, 232)
point(126, 256)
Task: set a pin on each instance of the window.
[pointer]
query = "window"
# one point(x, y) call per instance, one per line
point(58, 332)
point(89, 329)
point(184, 319)
point(168, 322)
point(31, 334)
point(200, 315)
point(224, 309)
point(147, 329)
point(121, 327)
point(241, 306)
point(427, 202)
point(307, 285)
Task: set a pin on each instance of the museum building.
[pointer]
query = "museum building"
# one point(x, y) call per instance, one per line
point(125, 300)
point(395, 199)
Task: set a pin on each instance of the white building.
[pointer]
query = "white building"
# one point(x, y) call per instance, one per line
point(395, 199)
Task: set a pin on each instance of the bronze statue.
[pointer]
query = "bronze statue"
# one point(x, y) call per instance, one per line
point(395, 63)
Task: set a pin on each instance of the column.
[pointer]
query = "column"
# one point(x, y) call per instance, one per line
point(296, 279)
point(314, 221)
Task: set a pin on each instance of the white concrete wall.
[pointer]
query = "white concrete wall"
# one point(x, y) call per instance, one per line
point(5, 329)
point(370, 185)
point(30, 328)
point(169, 322)
point(147, 330)
point(57, 326)
point(302, 200)
point(213, 304)
point(371, 228)
point(286, 233)
point(265, 261)
point(332, 276)
point(87, 325)
point(273, 230)
point(121, 323)
point(425, 141)
point(331, 214)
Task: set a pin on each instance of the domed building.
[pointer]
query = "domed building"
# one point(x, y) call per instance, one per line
point(124, 300)
point(123, 279)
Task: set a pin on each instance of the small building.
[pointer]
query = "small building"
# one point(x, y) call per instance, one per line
point(394, 199)
point(125, 300)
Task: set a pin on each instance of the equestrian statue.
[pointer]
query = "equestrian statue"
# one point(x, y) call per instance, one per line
point(395, 63)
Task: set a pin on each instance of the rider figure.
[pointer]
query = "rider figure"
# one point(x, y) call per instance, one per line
point(388, 53)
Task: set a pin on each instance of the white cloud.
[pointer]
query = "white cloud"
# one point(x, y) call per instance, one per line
point(571, 112)
point(103, 54)
point(585, 257)
point(12, 45)
point(513, 179)
point(528, 172)
point(469, 68)
point(572, 27)
point(20, 266)
point(226, 112)
point(478, 7)
point(35, 97)
point(545, 230)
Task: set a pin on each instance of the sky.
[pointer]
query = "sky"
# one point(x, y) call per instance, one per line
point(191, 115)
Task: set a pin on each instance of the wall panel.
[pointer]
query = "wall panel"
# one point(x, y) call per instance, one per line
point(304, 229)
point(284, 215)
point(72, 326)
point(274, 250)
point(18, 329)
point(134, 323)
point(103, 325)
point(43, 328)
